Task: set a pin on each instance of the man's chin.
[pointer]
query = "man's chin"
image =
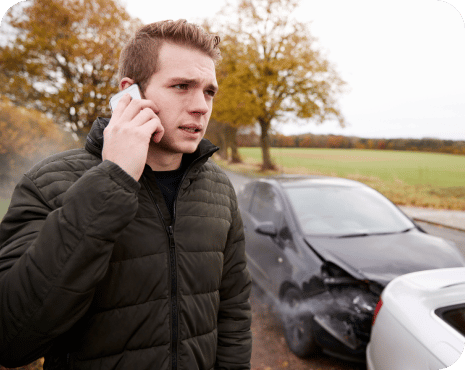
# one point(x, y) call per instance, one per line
point(190, 150)
point(189, 146)
point(182, 148)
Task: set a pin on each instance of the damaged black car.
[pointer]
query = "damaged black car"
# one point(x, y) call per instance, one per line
point(323, 249)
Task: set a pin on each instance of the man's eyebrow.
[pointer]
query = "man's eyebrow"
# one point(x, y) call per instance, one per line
point(191, 81)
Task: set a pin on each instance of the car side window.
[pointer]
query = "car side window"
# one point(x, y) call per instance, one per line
point(285, 233)
point(266, 205)
point(245, 196)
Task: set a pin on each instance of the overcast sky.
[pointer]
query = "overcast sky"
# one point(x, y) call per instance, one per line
point(403, 61)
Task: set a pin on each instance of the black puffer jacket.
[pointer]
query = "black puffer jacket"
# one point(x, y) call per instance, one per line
point(95, 275)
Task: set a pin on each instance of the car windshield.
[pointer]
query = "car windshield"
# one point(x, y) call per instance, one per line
point(345, 211)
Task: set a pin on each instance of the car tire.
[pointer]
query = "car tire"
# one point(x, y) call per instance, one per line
point(298, 327)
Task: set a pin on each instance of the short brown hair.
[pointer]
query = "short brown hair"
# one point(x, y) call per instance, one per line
point(139, 57)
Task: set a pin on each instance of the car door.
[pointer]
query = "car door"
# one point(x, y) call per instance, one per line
point(268, 252)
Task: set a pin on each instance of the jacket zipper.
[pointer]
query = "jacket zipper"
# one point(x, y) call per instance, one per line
point(174, 300)
point(172, 252)
point(173, 277)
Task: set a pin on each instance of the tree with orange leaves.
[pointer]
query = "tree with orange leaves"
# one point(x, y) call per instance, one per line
point(61, 57)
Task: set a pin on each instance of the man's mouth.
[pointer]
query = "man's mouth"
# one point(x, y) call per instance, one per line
point(191, 129)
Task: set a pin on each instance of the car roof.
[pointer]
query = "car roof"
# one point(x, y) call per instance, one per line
point(287, 181)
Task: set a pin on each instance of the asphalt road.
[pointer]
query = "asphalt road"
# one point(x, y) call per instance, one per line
point(455, 236)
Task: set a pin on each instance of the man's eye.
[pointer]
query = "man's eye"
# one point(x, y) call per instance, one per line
point(211, 93)
point(181, 86)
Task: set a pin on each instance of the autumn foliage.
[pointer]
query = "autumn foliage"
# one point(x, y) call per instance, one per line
point(26, 136)
point(272, 70)
point(61, 57)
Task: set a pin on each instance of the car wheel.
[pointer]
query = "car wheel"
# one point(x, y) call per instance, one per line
point(298, 325)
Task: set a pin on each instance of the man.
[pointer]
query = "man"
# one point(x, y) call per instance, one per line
point(129, 254)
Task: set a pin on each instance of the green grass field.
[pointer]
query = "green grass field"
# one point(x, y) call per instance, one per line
point(407, 178)
point(4, 203)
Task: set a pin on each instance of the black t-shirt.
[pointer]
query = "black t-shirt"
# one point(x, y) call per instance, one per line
point(168, 182)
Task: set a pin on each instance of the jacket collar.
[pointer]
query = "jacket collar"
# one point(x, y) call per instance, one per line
point(94, 142)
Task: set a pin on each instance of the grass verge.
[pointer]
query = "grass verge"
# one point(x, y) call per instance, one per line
point(401, 191)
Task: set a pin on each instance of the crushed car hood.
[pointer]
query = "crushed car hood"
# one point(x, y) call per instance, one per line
point(381, 258)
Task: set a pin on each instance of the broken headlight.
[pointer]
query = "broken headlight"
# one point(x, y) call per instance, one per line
point(349, 293)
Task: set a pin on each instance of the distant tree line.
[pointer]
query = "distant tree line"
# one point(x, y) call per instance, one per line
point(251, 139)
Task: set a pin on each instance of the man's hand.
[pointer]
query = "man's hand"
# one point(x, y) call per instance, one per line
point(126, 139)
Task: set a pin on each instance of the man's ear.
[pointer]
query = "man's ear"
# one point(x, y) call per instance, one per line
point(125, 83)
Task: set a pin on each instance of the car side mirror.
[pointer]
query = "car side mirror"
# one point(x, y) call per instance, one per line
point(266, 228)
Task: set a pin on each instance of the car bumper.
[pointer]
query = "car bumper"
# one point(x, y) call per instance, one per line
point(332, 344)
point(369, 359)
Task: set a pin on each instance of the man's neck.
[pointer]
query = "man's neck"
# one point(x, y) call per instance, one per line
point(160, 160)
point(164, 164)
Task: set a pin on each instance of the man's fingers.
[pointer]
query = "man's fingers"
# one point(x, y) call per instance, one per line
point(136, 106)
point(149, 124)
point(154, 128)
point(122, 104)
point(144, 116)
point(127, 108)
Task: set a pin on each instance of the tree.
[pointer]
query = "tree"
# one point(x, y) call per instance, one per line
point(26, 136)
point(216, 134)
point(280, 69)
point(62, 58)
point(235, 104)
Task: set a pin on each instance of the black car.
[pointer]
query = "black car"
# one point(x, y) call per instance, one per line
point(323, 248)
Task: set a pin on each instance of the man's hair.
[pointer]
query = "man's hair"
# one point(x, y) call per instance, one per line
point(139, 57)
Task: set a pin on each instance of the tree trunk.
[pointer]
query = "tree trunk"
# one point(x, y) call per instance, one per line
point(216, 134)
point(223, 152)
point(231, 133)
point(267, 164)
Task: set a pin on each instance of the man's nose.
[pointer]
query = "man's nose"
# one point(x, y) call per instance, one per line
point(198, 104)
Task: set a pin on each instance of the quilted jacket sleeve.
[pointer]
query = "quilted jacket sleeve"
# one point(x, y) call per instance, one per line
point(234, 317)
point(52, 259)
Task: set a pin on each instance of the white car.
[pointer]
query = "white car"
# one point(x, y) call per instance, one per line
point(420, 322)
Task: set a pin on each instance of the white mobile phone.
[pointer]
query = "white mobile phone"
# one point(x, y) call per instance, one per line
point(132, 90)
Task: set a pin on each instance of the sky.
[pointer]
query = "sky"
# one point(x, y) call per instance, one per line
point(403, 61)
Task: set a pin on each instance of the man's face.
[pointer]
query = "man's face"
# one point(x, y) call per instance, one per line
point(183, 90)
